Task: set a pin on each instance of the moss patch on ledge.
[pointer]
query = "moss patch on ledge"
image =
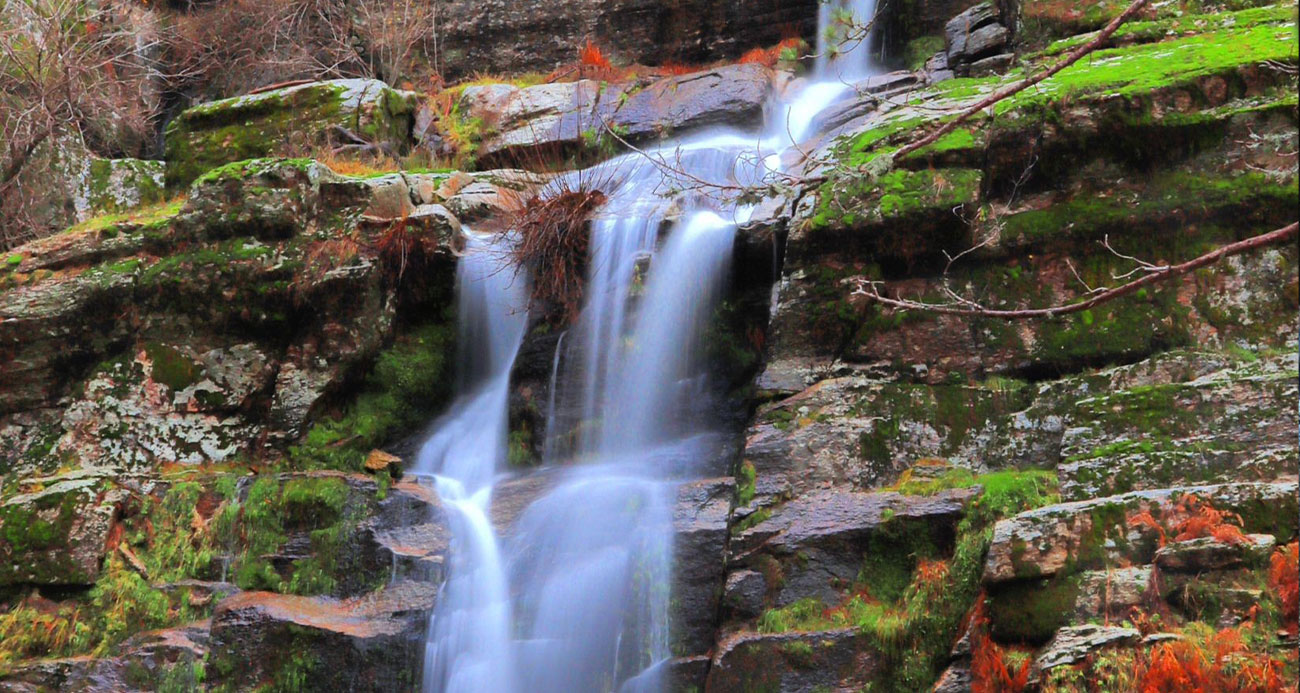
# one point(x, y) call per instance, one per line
point(406, 387)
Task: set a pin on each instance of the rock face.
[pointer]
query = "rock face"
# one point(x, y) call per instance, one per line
point(365, 644)
point(57, 536)
point(181, 385)
point(502, 36)
point(274, 122)
point(796, 662)
point(551, 118)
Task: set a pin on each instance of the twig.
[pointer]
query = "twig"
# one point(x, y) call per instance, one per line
point(1021, 86)
point(869, 289)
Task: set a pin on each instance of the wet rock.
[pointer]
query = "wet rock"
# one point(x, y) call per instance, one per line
point(699, 557)
point(368, 643)
point(1071, 645)
point(59, 534)
point(688, 673)
point(1111, 594)
point(793, 662)
point(541, 35)
point(734, 95)
point(1208, 553)
point(1080, 535)
point(818, 538)
point(272, 123)
point(954, 679)
point(559, 117)
point(744, 593)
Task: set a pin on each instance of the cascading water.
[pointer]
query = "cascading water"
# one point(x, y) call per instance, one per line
point(577, 598)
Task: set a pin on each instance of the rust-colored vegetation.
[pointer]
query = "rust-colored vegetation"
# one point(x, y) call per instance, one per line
point(992, 671)
point(1283, 579)
point(772, 55)
point(553, 226)
point(1192, 517)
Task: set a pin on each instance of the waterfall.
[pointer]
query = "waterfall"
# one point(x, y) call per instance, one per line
point(576, 598)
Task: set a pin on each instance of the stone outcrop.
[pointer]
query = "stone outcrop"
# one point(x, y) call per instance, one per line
point(278, 121)
point(541, 35)
point(543, 120)
point(364, 644)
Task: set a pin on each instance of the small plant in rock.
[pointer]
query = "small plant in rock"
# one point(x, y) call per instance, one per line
point(992, 669)
point(553, 228)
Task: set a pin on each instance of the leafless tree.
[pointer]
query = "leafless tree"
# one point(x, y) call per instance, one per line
point(69, 73)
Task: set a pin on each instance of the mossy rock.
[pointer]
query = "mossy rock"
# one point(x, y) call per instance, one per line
point(275, 122)
point(57, 535)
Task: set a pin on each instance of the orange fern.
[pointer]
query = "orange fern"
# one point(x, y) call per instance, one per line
point(989, 671)
point(1146, 519)
point(1224, 663)
point(1284, 578)
point(1204, 520)
point(593, 56)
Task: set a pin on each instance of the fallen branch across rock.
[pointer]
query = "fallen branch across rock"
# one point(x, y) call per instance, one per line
point(871, 289)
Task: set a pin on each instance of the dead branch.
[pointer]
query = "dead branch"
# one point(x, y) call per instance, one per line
point(870, 289)
point(1018, 87)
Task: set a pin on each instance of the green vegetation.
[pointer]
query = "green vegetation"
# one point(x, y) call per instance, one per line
point(407, 386)
point(913, 627)
point(919, 50)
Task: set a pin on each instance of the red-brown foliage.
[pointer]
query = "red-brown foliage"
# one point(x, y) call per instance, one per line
point(1284, 579)
point(553, 233)
point(770, 56)
point(1224, 664)
point(593, 56)
point(1193, 518)
point(989, 671)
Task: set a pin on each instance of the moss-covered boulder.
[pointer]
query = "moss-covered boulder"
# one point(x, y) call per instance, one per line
point(57, 535)
point(285, 121)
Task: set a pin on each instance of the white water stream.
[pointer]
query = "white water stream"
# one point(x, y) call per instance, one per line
point(576, 598)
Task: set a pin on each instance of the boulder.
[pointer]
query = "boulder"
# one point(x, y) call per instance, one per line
point(1207, 553)
point(1071, 645)
point(275, 122)
point(57, 535)
point(369, 643)
point(565, 116)
point(700, 520)
point(1069, 537)
point(793, 662)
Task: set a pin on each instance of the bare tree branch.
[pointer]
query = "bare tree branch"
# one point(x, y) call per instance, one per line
point(871, 290)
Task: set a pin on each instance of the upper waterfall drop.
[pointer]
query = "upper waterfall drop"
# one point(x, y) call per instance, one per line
point(576, 596)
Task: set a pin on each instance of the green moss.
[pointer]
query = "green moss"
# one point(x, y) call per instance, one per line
point(919, 50)
point(1032, 610)
point(171, 367)
point(1163, 29)
point(405, 388)
point(746, 483)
